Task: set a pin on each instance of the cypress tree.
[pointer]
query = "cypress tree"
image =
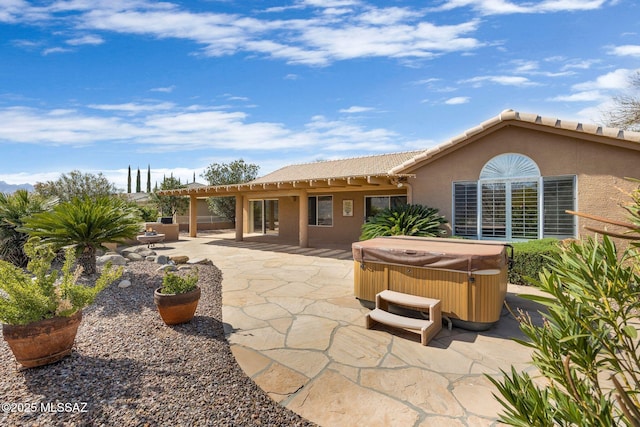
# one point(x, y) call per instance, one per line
point(138, 188)
point(149, 179)
point(129, 181)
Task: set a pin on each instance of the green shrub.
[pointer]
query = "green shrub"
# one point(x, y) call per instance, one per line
point(42, 292)
point(173, 283)
point(404, 220)
point(530, 258)
point(587, 348)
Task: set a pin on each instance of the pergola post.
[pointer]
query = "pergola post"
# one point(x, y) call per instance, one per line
point(193, 216)
point(239, 217)
point(303, 221)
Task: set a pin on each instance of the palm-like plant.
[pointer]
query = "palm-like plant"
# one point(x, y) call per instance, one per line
point(13, 209)
point(86, 224)
point(404, 220)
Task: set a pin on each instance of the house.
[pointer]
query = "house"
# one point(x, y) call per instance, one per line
point(512, 177)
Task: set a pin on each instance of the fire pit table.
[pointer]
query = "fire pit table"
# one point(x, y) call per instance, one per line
point(150, 239)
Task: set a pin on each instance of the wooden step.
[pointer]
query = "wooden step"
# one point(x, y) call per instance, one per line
point(406, 300)
point(427, 329)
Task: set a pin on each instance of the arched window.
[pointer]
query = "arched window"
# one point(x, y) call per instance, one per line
point(510, 165)
point(512, 201)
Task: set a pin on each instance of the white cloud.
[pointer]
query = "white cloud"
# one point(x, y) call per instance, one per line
point(55, 50)
point(88, 39)
point(618, 79)
point(356, 109)
point(132, 107)
point(343, 30)
point(458, 100)
point(586, 96)
point(163, 127)
point(503, 7)
point(501, 80)
point(167, 89)
point(627, 50)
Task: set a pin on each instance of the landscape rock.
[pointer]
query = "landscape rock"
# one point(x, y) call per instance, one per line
point(134, 256)
point(162, 259)
point(115, 259)
point(124, 283)
point(201, 261)
point(166, 267)
point(179, 259)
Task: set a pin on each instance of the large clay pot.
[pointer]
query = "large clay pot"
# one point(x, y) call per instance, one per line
point(177, 308)
point(43, 342)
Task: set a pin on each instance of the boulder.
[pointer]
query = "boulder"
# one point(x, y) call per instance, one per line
point(115, 259)
point(179, 259)
point(132, 256)
point(162, 259)
point(166, 267)
point(124, 283)
point(201, 261)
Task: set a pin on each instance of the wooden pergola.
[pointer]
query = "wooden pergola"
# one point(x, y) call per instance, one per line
point(300, 188)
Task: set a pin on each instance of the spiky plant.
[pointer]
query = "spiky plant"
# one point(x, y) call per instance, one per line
point(87, 225)
point(13, 209)
point(404, 220)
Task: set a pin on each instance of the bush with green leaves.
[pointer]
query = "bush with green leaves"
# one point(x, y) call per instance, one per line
point(42, 292)
point(588, 349)
point(87, 224)
point(530, 258)
point(176, 283)
point(14, 208)
point(404, 220)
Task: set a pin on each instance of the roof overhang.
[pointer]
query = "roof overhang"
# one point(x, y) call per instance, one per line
point(294, 187)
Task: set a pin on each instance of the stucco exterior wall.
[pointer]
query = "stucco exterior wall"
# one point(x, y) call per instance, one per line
point(600, 169)
point(345, 229)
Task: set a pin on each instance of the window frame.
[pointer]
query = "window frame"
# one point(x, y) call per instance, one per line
point(382, 196)
point(510, 185)
point(316, 211)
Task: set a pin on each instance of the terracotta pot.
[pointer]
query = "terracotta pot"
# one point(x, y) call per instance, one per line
point(177, 308)
point(43, 342)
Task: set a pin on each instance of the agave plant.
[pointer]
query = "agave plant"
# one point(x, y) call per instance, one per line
point(86, 224)
point(13, 209)
point(404, 220)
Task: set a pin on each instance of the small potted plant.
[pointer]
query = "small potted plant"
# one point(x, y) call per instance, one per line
point(41, 308)
point(178, 297)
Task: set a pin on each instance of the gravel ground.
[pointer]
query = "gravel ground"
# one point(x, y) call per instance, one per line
point(129, 369)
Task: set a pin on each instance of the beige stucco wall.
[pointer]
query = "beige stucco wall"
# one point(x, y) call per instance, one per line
point(345, 229)
point(600, 169)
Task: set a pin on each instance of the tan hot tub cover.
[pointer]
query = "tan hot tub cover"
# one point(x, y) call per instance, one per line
point(440, 253)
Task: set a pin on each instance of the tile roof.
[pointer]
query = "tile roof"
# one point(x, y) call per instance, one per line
point(357, 166)
point(515, 116)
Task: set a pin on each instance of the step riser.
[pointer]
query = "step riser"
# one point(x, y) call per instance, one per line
point(427, 329)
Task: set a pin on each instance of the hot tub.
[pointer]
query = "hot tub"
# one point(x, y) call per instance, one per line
point(469, 277)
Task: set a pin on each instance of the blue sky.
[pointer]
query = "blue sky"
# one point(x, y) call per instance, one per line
point(100, 85)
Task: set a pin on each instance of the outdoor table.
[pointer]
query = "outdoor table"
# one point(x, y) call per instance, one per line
point(150, 239)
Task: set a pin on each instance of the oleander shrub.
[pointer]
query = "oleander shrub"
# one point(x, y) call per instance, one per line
point(587, 350)
point(530, 258)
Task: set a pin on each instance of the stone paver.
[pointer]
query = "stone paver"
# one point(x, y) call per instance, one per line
point(297, 331)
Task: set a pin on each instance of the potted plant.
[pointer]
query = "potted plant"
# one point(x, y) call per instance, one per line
point(41, 308)
point(178, 297)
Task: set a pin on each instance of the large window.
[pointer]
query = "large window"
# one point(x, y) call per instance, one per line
point(465, 209)
point(374, 204)
point(321, 210)
point(512, 201)
point(559, 196)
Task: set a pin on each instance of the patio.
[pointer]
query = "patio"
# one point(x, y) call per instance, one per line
point(296, 329)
